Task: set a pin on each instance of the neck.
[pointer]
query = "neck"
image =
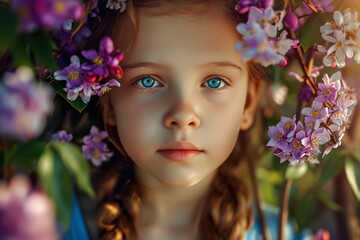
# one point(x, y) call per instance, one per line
point(178, 208)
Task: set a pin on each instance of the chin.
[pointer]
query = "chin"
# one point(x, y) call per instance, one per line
point(178, 182)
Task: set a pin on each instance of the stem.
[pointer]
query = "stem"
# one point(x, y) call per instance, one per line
point(284, 209)
point(259, 205)
point(299, 54)
point(305, 66)
point(302, 16)
point(89, 6)
point(312, 7)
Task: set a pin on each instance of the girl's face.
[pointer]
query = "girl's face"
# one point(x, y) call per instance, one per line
point(183, 82)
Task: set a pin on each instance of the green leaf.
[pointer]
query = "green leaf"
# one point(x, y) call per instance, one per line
point(305, 211)
point(8, 23)
point(41, 45)
point(20, 54)
point(76, 163)
point(268, 193)
point(78, 104)
point(332, 165)
point(327, 201)
point(295, 172)
point(310, 33)
point(271, 176)
point(26, 154)
point(352, 171)
point(356, 155)
point(56, 182)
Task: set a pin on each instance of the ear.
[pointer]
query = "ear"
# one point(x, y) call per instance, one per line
point(107, 110)
point(252, 99)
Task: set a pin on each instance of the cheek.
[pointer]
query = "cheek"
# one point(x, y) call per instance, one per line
point(137, 123)
point(222, 126)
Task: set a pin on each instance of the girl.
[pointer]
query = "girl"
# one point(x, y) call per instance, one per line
point(185, 97)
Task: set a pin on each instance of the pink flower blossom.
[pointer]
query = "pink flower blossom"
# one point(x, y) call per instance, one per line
point(94, 148)
point(26, 213)
point(24, 105)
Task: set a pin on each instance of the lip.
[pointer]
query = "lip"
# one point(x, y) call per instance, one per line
point(180, 146)
point(180, 151)
point(179, 155)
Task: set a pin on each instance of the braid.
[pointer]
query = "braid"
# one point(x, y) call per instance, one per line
point(120, 205)
point(227, 214)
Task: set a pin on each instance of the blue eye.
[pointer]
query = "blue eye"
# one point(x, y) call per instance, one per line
point(215, 83)
point(146, 82)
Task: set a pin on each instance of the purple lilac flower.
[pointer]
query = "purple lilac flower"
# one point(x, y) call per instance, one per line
point(243, 6)
point(325, 123)
point(259, 38)
point(311, 124)
point(288, 125)
point(26, 213)
point(277, 139)
point(46, 14)
point(94, 149)
point(328, 92)
point(62, 135)
point(318, 137)
point(84, 80)
point(24, 105)
point(105, 61)
point(316, 111)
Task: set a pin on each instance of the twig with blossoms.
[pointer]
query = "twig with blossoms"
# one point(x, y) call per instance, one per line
point(325, 122)
point(260, 41)
point(84, 79)
point(344, 35)
point(94, 148)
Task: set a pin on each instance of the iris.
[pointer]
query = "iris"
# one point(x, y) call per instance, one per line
point(214, 82)
point(148, 81)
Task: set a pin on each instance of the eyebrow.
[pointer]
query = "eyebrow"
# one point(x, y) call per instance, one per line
point(162, 66)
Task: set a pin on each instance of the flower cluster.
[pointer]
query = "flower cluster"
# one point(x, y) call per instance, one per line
point(324, 122)
point(25, 213)
point(24, 105)
point(46, 13)
point(343, 34)
point(62, 135)
point(94, 149)
point(260, 41)
point(84, 79)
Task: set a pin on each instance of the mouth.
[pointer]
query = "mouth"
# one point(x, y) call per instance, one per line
point(179, 155)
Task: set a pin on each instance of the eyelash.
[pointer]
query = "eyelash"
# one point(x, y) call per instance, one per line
point(150, 76)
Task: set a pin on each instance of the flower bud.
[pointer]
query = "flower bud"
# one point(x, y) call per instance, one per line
point(291, 21)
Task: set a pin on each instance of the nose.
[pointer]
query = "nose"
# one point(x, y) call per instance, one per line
point(181, 114)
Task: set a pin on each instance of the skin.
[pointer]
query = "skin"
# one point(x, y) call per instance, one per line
point(180, 106)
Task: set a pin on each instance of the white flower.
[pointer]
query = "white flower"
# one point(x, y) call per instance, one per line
point(341, 47)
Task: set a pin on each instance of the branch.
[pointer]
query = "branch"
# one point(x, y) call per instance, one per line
point(284, 209)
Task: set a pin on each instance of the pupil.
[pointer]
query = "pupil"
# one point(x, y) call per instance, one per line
point(214, 83)
point(148, 82)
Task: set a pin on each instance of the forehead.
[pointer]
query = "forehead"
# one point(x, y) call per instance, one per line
point(208, 37)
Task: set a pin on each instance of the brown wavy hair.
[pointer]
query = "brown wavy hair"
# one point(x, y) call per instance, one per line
point(226, 214)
